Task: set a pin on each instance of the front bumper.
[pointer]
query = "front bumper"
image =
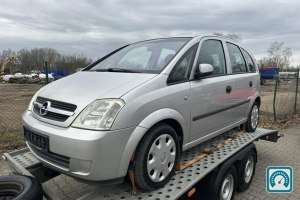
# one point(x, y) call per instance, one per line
point(91, 155)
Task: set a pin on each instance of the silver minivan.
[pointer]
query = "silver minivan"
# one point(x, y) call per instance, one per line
point(142, 105)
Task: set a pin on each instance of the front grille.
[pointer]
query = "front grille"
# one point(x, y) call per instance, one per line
point(39, 141)
point(40, 145)
point(54, 104)
point(57, 104)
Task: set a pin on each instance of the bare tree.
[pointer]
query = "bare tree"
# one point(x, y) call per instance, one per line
point(233, 36)
point(33, 59)
point(279, 57)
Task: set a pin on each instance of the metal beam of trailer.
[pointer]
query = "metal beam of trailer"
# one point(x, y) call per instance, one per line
point(26, 163)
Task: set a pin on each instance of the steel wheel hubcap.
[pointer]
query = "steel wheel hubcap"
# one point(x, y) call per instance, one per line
point(249, 169)
point(254, 117)
point(161, 158)
point(227, 188)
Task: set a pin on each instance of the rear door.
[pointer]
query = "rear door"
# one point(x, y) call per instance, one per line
point(211, 95)
point(243, 80)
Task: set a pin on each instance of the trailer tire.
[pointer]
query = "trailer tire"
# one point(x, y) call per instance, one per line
point(20, 187)
point(229, 178)
point(160, 146)
point(246, 171)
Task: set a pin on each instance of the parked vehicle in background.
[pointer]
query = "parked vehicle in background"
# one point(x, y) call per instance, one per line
point(145, 102)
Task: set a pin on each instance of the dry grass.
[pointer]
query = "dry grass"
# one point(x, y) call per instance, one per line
point(11, 140)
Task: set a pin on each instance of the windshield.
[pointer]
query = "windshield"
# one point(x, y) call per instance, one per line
point(145, 57)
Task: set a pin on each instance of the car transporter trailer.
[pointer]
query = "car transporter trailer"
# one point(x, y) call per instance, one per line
point(206, 172)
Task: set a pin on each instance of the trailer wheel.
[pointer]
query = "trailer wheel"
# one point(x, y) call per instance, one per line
point(246, 171)
point(253, 118)
point(20, 187)
point(227, 187)
point(155, 157)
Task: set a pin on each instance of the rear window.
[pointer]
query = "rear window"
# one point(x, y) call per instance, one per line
point(249, 61)
point(237, 61)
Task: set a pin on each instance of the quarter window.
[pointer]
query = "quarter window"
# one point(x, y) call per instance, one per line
point(237, 61)
point(182, 69)
point(211, 52)
point(249, 61)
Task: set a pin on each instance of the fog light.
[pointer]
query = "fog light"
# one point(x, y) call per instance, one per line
point(80, 166)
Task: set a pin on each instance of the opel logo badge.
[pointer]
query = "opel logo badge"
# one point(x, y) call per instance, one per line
point(43, 108)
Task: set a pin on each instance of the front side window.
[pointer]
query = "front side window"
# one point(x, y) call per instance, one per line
point(237, 61)
point(249, 61)
point(146, 57)
point(211, 52)
point(182, 69)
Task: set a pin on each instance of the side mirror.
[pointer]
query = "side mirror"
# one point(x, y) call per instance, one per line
point(204, 70)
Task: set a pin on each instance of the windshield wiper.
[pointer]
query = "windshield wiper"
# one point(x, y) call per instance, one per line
point(116, 70)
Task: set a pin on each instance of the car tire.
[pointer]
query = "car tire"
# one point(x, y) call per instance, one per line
point(246, 171)
point(253, 118)
point(156, 157)
point(20, 187)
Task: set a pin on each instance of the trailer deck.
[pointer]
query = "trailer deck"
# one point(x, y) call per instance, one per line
point(64, 187)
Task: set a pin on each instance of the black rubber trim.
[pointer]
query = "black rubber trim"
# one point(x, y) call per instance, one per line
point(220, 110)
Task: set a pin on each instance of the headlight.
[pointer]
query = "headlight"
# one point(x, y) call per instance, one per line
point(33, 99)
point(99, 115)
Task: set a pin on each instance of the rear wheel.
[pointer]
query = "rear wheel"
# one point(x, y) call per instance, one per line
point(253, 118)
point(156, 157)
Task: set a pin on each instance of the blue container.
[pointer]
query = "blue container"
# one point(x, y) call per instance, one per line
point(269, 72)
point(57, 73)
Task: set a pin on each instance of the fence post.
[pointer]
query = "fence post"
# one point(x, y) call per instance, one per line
point(296, 95)
point(274, 99)
point(46, 71)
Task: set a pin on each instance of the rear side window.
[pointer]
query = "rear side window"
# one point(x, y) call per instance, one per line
point(249, 61)
point(211, 52)
point(237, 61)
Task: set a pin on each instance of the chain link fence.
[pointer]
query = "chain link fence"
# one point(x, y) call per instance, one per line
point(14, 100)
point(279, 97)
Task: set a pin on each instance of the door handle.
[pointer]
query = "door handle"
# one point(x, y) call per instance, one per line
point(228, 89)
point(250, 83)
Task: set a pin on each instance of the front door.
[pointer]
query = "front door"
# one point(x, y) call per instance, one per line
point(211, 98)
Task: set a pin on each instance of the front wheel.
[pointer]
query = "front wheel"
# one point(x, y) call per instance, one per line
point(253, 118)
point(156, 157)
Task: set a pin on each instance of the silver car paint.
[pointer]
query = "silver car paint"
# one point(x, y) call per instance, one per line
point(148, 100)
point(80, 89)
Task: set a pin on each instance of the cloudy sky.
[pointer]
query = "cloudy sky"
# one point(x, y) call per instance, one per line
point(97, 27)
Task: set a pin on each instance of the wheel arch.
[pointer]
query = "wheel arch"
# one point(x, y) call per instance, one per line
point(258, 100)
point(168, 116)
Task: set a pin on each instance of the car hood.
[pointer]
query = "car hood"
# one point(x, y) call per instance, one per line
point(84, 87)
